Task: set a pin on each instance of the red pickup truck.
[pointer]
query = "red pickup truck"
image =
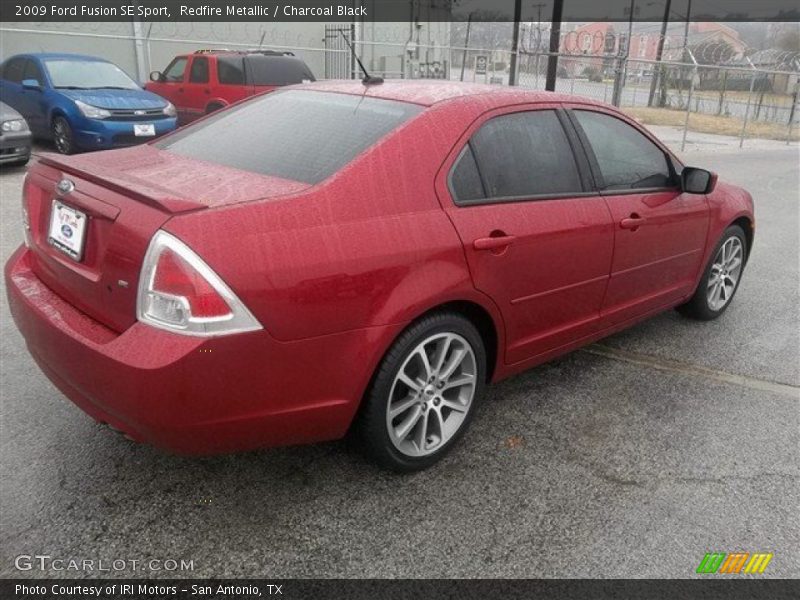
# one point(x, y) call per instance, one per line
point(207, 80)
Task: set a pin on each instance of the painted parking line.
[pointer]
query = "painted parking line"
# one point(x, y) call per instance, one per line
point(673, 366)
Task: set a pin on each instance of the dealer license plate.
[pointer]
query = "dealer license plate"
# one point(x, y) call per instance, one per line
point(67, 230)
point(144, 129)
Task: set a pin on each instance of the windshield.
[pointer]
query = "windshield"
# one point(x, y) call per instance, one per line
point(88, 75)
point(294, 134)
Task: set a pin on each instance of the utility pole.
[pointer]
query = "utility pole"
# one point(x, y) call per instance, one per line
point(622, 61)
point(686, 28)
point(512, 75)
point(466, 45)
point(555, 40)
point(539, 8)
point(659, 52)
point(630, 24)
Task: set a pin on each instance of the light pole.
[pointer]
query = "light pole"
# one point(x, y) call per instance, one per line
point(659, 52)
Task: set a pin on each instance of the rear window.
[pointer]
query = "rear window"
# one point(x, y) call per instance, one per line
point(294, 134)
point(276, 70)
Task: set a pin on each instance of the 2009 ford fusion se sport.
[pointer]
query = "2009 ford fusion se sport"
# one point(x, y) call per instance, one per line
point(337, 257)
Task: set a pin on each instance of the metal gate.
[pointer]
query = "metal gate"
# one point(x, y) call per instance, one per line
point(339, 62)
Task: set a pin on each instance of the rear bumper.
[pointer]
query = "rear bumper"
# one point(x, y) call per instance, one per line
point(96, 134)
point(195, 395)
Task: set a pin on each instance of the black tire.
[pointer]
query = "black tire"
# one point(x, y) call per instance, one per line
point(213, 108)
point(62, 136)
point(698, 306)
point(372, 426)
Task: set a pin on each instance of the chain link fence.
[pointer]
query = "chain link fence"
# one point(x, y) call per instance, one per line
point(706, 88)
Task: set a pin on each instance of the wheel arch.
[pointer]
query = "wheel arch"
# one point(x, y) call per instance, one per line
point(482, 317)
point(485, 320)
point(215, 104)
point(57, 111)
point(749, 233)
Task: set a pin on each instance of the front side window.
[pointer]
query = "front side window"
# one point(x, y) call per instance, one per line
point(175, 70)
point(199, 71)
point(294, 134)
point(523, 155)
point(627, 159)
point(32, 72)
point(14, 69)
point(87, 75)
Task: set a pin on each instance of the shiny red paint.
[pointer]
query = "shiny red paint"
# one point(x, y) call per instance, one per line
point(335, 272)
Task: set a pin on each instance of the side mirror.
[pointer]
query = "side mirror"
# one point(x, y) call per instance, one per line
point(697, 181)
point(31, 84)
point(156, 76)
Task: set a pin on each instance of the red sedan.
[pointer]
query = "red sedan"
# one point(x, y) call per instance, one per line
point(336, 256)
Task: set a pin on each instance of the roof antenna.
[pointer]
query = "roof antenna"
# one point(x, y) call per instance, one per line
point(368, 79)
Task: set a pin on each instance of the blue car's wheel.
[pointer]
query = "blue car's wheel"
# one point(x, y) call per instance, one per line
point(62, 136)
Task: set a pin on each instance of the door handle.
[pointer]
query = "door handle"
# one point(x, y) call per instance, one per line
point(180, 89)
point(633, 222)
point(207, 91)
point(493, 243)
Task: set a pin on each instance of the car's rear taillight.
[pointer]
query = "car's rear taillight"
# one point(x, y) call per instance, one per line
point(179, 292)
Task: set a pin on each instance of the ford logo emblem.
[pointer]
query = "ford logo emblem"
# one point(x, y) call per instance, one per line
point(65, 186)
point(67, 231)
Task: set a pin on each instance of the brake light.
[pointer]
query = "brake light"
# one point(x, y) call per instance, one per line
point(181, 293)
point(175, 277)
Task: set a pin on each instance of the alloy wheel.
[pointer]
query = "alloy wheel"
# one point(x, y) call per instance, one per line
point(61, 136)
point(725, 272)
point(431, 394)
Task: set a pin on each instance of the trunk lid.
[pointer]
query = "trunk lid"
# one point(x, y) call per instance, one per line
point(126, 196)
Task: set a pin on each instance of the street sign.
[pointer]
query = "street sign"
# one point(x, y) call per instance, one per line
point(480, 64)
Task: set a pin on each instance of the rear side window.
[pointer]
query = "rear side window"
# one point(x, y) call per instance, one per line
point(276, 70)
point(13, 69)
point(627, 158)
point(465, 180)
point(176, 69)
point(199, 71)
point(230, 70)
point(294, 134)
point(525, 154)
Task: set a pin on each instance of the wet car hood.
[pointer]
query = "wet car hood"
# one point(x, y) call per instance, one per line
point(116, 99)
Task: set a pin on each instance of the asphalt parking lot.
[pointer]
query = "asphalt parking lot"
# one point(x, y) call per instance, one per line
point(632, 458)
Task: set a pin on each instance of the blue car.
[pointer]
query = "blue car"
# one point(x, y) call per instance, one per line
point(82, 102)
